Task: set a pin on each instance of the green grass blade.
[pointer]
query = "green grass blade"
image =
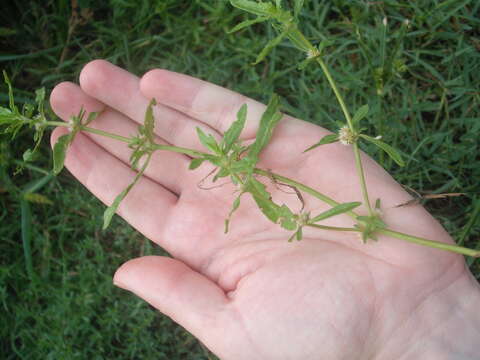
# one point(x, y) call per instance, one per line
point(26, 229)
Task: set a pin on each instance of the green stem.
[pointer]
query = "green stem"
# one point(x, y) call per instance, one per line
point(91, 130)
point(107, 134)
point(335, 228)
point(178, 149)
point(434, 244)
point(302, 187)
point(339, 97)
point(358, 161)
point(388, 232)
point(361, 176)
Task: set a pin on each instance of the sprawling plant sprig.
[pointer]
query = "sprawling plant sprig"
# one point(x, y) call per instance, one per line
point(230, 157)
point(286, 24)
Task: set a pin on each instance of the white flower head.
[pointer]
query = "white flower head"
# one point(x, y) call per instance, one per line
point(70, 124)
point(346, 136)
point(385, 21)
point(313, 53)
point(378, 137)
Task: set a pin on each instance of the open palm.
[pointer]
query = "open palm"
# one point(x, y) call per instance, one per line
point(250, 294)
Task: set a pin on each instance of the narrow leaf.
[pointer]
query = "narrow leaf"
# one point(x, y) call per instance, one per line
point(298, 40)
point(208, 141)
point(257, 188)
point(13, 108)
point(269, 120)
point(299, 234)
point(268, 208)
point(360, 114)
point(247, 23)
point(286, 218)
point(262, 9)
point(270, 45)
point(91, 116)
point(223, 172)
point(37, 198)
point(28, 155)
point(149, 122)
point(236, 204)
point(244, 165)
point(195, 163)
point(110, 211)
point(392, 152)
point(233, 132)
point(336, 210)
point(59, 152)
point(327, 139)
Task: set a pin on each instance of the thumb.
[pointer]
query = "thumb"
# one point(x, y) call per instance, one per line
point(186, 296)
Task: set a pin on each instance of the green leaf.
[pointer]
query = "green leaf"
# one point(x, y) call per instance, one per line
point(91, 116)
point(361, 112)
point(336, 210)
point(299, 234)
point(261, 9)
point(28, 155)
point(111, 210)
point(298, 40)
point(327, 139)
point(244, 165)
point(269, 120)
point(247, 23)
point(257, 188)
point(37, 198)
point(286, 218)
point(270, 45)
point(40, 100)
point(149, 122)
point(236, 204)
point(222, 173)
point(208, 141)
point(13, 108)
point(392, 152)
point(268, 208)
point(233, 132)
point(59, 152)
point(195, 163)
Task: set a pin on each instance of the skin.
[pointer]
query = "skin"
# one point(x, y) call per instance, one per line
point(250, 294)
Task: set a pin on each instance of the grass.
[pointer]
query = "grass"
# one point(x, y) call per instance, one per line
point(56, 296)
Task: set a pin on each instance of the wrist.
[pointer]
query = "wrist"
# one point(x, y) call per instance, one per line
point(446, 326)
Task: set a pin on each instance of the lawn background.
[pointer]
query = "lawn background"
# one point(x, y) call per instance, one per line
point(421, 81)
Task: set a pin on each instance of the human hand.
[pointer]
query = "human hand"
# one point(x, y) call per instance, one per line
point(250, 294)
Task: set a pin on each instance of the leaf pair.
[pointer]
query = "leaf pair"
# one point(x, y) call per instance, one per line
point(64, 141)
point(142, 145)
